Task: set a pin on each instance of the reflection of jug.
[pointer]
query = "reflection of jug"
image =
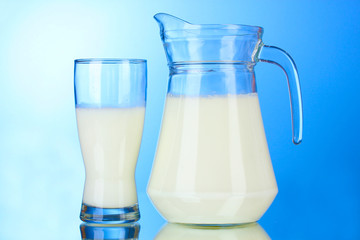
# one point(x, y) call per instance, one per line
point(93, 231)
point(188, 232)
point(212, 164)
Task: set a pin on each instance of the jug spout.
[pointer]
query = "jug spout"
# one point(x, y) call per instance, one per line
point(185, 42)
point(168, 22)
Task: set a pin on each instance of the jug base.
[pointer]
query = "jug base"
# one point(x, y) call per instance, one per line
point(212, 209)
point(109, 215)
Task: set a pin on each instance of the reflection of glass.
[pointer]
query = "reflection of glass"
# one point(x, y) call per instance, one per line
point(110, 109)
point(173, 231)
point(91, 231)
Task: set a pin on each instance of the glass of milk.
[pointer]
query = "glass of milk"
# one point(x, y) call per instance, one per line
point(110, 96)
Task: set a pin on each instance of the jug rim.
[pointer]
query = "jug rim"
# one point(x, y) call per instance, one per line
point(247, 29)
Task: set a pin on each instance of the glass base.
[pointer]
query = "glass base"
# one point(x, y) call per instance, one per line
point(109, 215)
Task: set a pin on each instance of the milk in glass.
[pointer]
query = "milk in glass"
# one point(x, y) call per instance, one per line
point(110, 141)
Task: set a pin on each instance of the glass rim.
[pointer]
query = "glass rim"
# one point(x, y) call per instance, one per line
point(110, 61)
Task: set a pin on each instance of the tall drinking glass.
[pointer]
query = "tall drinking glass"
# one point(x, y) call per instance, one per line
point(110, 96)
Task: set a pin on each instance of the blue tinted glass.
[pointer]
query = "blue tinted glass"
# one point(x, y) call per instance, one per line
point(110, 82)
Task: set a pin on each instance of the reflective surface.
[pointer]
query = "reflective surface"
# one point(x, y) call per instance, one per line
point(190, 232)
point(109, 232)
point(172, 231)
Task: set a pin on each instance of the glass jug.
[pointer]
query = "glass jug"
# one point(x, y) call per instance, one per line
point(212, 164)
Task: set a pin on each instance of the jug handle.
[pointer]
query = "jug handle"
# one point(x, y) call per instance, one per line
point(279, 57)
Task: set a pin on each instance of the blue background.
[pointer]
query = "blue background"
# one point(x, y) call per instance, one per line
point(41, 169)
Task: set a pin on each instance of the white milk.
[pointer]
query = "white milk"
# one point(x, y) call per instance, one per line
point(212, 164)
point(110, 141)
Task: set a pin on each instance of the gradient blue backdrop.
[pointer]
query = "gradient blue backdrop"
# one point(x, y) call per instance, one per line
point(41, 169)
